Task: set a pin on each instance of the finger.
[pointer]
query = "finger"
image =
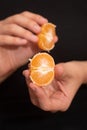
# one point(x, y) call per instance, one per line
point(25, 22)
point(10, 40)
point(56, 39)
point(42, 97)
point(60, 102)
point(38, 18)
point(59, 71)
point(18, 31)
point(54, 103)
point(31, 92)
point(26, 74)
point(59, 75)
point(33, 97)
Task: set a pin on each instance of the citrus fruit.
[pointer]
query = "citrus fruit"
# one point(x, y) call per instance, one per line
point(42, 69)
point(46, 37)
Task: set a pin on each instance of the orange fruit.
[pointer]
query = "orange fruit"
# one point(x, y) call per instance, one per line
point(46, 37)
point(42, 69)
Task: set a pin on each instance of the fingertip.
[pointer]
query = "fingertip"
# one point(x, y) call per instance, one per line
point(25, 73)
point(56, 38)
point(59, 70)
point(43, 20)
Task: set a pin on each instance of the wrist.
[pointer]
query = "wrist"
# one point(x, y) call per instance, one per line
point(80, 71)
point(84, 71)
point(82, 67)
point(5, 72)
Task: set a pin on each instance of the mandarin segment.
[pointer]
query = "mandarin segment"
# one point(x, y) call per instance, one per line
point(46, 37)
point(42, 79)
point(42, 69)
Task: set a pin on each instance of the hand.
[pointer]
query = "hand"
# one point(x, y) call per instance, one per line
point(20, 28)
point(18, 40)
point(60, 93)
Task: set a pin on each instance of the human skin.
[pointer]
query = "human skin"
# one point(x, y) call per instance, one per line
point(18, 41)
point(59, 94)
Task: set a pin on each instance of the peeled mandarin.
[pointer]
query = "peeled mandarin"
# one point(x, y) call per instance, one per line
point(46, 37)
point(42, 69)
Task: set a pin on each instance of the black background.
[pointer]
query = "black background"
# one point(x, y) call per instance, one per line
point(16, 110)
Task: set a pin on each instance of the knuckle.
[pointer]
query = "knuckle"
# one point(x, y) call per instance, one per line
point(38, 16)
point(15, 40)
point(25, 13)
point(12, 27)
point(25, 33)
point(15, 17)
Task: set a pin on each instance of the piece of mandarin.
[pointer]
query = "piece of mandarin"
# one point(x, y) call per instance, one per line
point(46, 37)
point(42, 69)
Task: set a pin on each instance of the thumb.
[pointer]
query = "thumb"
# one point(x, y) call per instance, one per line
point(59, 71)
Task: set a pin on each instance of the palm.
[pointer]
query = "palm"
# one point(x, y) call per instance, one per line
point(54, 97)
point(15, 56)
point(59, 95)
